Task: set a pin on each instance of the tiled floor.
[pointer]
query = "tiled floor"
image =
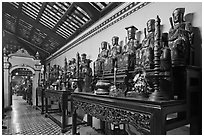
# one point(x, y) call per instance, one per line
point(26, 120)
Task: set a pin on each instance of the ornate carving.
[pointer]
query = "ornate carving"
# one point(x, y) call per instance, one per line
point(53, 96)
point(141, 121)
point(22, 53)
point(7, 65)
point(141, 83)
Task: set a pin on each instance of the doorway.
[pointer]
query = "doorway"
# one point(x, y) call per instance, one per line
point(21, 84)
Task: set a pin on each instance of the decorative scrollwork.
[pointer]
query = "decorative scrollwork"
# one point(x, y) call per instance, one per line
point(53, 96)
point(141, 121)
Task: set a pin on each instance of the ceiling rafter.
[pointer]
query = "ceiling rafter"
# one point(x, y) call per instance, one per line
point(104, 4)
point(93, 14)
point(58, 21)
point(41, 11)
point(27, 42)
point(37, 20)
point(7, 8)
point(89, 9)
point(18, 11)
point(64, 16)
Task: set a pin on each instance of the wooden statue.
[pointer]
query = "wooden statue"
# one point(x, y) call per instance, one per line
point(127, 61)
point(106, 61)
point(73, 68)
point(115, 51)
point(86, 73)
point(179, 39)
point(147, 49)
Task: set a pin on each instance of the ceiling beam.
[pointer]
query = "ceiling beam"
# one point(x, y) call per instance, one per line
point(17, 19)
point(93, 13)
point(27, 42)
point(110, 7)
point(64, 16)
point(41, 11)
point(7, 8)
point(86, 6)
point(37, 21)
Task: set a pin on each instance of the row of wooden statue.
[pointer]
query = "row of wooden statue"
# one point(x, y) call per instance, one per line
point(77, 68)
point(157, 53)
point(174, 47)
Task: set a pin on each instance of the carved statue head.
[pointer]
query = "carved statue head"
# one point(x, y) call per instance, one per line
point(151, 25)
point(104, 45)
point(83, 57)
point(178, 15)
point(73, 60)
point(131, 31)
point(115, 40)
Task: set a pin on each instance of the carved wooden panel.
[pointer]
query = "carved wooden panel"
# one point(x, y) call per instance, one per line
point(141, 121)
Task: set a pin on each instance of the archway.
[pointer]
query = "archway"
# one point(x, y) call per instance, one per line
point(21, 83)
point(20, 59)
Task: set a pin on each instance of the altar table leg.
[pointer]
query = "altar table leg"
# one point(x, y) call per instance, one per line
point(46, 106)
point(89, 120)
point(102, 126)
point(74, 122)
point(64, 115)
point(42, 103)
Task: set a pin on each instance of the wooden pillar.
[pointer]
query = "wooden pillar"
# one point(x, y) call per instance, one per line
point(35, 81)
point(6, 84)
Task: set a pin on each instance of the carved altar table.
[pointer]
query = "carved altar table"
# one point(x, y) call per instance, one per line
point(148, 117)
point(63, 97)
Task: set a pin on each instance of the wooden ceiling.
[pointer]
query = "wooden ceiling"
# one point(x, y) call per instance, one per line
point(45, 27)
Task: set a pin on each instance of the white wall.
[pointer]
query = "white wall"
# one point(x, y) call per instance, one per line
point(138, 19)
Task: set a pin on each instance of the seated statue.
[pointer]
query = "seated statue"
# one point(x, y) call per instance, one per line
point(179, 39)
point(115, 51)
point(72, 67)
point(105, 62)
point(99, 63)
point(86, 74)
point(127, 60)
point(145, 54)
